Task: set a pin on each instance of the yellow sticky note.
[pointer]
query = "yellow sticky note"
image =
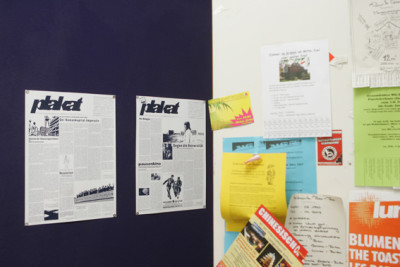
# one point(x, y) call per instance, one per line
point(244, 187)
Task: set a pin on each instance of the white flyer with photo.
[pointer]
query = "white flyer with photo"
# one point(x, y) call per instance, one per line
point(376, 43)
point(170, 154)
point(296, 90)
point(70, 161)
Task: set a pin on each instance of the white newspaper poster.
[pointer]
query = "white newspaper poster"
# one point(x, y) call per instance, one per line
point(376, 43)
point(296, 91)
point(170, 154)
point(70, 161)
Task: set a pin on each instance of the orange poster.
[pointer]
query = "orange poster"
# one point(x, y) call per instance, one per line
point(374, 229)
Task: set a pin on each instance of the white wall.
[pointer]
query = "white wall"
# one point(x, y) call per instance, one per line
point(240, 29)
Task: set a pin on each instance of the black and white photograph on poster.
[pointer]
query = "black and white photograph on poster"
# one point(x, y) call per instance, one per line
point(51, 209)
point(167, 151)
point(155, 176)
point(184, 133)
point(50, 215)
point(173, 195)
point(144, 191)
point(170, 145)
point(43, 126)
point(70, 160)
point(86, 192)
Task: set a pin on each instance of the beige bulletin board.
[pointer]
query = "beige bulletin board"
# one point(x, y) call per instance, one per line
point(240, 29)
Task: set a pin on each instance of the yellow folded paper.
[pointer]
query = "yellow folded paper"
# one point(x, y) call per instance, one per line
point(244, 187)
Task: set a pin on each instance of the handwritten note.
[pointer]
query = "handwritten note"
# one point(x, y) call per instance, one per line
point(319, 223)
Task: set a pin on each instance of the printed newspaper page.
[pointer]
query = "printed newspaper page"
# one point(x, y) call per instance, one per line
point(70, 162)
point(296, 90)
point(376, 43)
point(374, 237)
point(170, 154)
point(265, 242)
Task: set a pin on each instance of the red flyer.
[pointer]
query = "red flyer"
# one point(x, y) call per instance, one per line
point(330, 149)
point(265, 242)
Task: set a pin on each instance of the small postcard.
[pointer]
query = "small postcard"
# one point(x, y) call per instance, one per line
point(230, 111)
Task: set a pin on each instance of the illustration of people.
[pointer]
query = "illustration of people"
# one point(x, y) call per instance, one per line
point(177, 187)
point(169, 183)
point(66, 162)
point(270, 174)
point(187, 136)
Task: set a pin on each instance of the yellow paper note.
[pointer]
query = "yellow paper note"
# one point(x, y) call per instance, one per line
point(244, 187)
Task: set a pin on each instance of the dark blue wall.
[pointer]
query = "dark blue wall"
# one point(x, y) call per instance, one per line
point(126, 48)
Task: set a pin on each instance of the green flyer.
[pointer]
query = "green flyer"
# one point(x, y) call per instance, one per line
point(377, 136)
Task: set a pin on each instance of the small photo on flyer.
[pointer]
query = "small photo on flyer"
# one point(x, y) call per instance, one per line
point(269, 257)
point(255, 236)
point(294, 68)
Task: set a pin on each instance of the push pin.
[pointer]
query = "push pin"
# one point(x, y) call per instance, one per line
point(255, 157)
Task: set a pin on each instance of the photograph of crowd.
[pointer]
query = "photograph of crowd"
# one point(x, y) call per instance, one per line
point(104, 192)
